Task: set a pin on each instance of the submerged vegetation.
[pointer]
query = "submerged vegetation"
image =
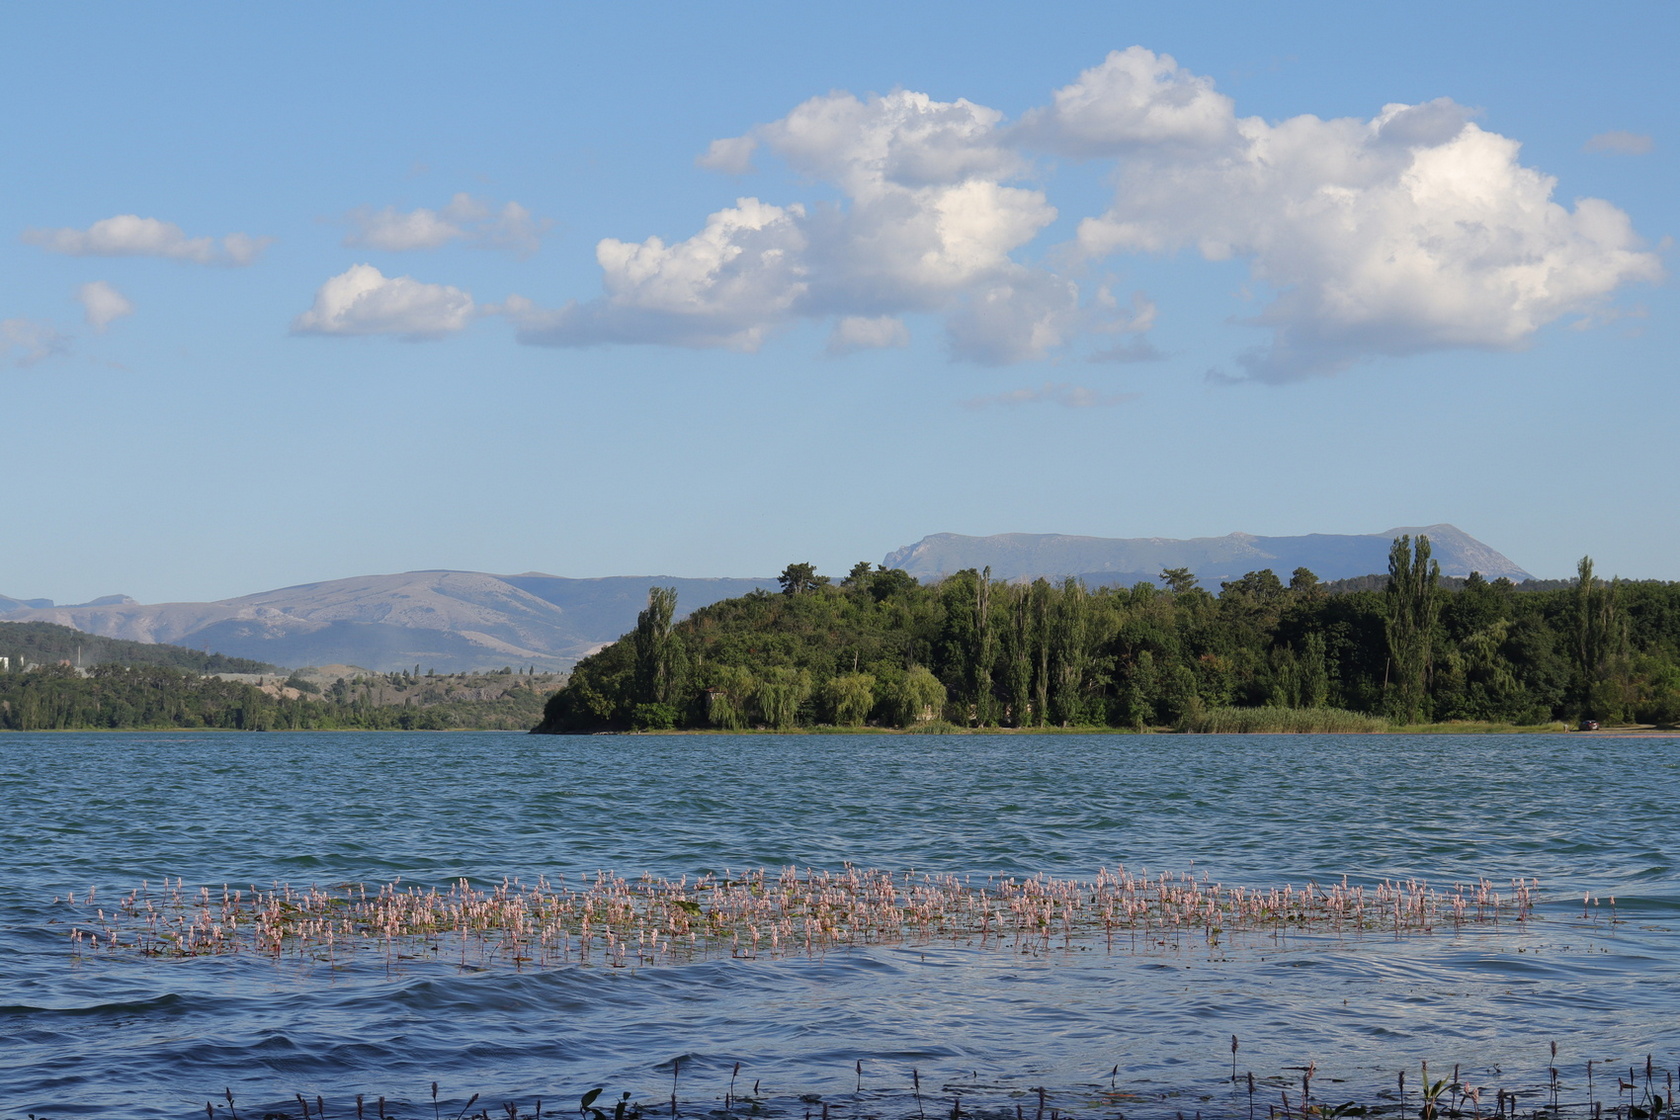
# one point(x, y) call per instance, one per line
point(879, 649)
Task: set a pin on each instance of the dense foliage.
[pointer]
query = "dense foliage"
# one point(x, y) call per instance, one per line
point(879, 648)
point(113, 696)
point(43, 643)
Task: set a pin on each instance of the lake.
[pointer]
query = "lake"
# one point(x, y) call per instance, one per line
point(1134, 1027)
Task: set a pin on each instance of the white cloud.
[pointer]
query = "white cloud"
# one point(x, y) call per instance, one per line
point(1066, 395)
point(128, 235)
point(1412, 231)
point(102, 304)
point(732, 156)
point(929, 215)
point(852, 333)
point(1619, 142)
point(362, 300)
point(926, 219)
point(725, 286)
point(395, 232)
point(1134, 99)
point(27, 341)
point(468, 219)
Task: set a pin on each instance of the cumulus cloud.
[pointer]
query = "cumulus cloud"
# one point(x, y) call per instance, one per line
point(361, 300)
point(102, 304)
point(466, 219)
point(725, 286)
point(1410, 231)
point(1619, 142)
point(926, 218)
point(1135, 99)
point(1066, 395)
point(129, 235)
point(24, 342)
point(1413, 231)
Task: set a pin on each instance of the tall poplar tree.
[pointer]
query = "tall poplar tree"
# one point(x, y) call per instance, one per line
point(1412, 606)
point(1597, 638)
point(656, 647)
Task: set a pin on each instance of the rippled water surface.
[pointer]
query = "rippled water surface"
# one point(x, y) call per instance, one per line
point(1133, 1030)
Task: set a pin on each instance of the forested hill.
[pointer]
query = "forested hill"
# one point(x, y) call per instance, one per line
point(878, 647)
point(43, 643)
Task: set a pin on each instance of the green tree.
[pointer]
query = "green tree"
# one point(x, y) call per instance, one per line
point(1071, 641)
point(849, 698)
point(1304, 584)
point(909, 697)
point(656, 648)
point(800, 579)
point(1412, 608)
point(781, 689)
point(728, 695)
point(1315, 671)
point(1599, 643)
point(1179, 580)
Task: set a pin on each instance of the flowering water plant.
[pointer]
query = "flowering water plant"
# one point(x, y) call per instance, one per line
point(761, 913)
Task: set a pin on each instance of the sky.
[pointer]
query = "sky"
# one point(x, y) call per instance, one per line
point(299, 292)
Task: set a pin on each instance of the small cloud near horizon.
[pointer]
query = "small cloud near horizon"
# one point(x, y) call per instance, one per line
point(129, 235)
point(102, 304)
point(467, 219)
point(1062, 393)
point(24, 342)
point(858, 332)
point(1620, 143)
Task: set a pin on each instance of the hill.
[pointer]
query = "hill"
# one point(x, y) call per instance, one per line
point(42, 643)
point(444, 620)
point(1105, 561)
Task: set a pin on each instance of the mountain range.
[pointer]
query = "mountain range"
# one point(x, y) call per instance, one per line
point(1108, 561)
point(443, 620)
point(462, 621)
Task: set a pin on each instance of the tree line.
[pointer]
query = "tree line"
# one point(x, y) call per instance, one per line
point(878, 647)
point(112, 696)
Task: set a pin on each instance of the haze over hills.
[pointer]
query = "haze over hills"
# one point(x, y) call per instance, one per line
point(443, 620)
point(1107, 561)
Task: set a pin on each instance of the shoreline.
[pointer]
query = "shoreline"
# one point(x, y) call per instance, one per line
point(1643, 731)
point(1640, 731)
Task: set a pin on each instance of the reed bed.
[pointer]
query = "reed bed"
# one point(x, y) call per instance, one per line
point(761, 913)
point(1303, 721)
point(1557, 1093)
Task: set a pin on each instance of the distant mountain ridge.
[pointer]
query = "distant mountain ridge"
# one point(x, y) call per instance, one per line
point(444, 620)
point(1108, 561)
point(455, 621)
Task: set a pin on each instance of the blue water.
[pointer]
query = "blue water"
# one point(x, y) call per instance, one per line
point(120, 1035)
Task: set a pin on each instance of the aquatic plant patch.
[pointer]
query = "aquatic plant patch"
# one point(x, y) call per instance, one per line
point(760, 913)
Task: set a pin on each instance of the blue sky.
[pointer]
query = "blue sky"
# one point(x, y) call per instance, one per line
point(291, 293)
